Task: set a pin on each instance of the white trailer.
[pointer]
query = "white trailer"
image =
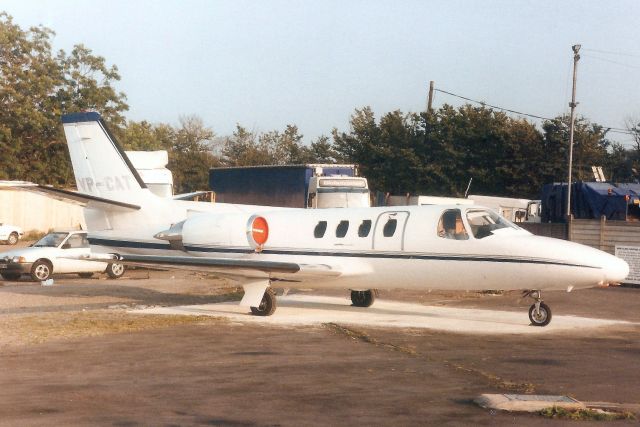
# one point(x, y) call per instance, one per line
point(515, 210)
point(151, 165)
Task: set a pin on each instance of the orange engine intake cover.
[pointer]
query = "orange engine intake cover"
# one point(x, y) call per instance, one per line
point(259, 231)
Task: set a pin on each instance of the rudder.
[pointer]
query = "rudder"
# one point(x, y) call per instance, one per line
point(100, 165)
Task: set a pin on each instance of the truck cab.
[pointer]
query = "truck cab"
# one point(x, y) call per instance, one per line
point(339, 191)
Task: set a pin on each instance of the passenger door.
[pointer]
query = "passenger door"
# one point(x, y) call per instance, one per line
point(389, 231)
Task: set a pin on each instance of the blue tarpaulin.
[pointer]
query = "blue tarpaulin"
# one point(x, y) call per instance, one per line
point(589, 200)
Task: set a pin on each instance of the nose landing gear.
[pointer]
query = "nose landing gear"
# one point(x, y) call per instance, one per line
point(539, 312)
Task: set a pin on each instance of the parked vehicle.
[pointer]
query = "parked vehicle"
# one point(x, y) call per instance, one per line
point(515, 210)
point(10, 234)
point(151, 165)
point(294, 186)
point(409, 200)
point(53, 254)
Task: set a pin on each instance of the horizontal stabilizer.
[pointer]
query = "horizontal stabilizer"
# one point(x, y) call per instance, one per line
point(190, 196)
point(68, 196)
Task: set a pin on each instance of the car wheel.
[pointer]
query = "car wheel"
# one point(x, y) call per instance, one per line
point(13, 238)
point(115, 270)
point(41, 270)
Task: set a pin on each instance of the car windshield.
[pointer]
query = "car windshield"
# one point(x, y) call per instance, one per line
point(51, 240)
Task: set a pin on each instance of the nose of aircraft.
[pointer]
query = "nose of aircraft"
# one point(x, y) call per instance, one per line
point(615, 269)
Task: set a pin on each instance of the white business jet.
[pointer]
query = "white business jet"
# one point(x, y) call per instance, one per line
point(362, 250)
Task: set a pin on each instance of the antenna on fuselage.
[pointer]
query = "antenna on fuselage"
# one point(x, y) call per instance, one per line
point(468, 187)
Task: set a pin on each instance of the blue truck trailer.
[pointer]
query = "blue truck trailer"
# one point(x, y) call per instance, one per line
point(295, 186)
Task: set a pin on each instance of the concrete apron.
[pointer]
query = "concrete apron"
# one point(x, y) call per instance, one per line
point(527, 402)
point(311, 310)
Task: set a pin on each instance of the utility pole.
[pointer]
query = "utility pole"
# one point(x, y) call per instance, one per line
point(572, 104)
point(430, 100)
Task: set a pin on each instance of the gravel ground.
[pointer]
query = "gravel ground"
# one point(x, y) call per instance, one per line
point(71, 354)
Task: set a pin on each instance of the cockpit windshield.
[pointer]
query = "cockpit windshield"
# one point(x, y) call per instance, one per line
point(484, 223)
point(51, 240)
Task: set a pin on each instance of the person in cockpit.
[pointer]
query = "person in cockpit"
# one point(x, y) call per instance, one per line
point(451, 226)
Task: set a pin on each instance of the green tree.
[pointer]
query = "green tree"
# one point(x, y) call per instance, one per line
point(37, 87)
point(189, 148)
point(246, 148)
point(322, 151)
point(241, 149)
point(591, 148)
point(190, 157)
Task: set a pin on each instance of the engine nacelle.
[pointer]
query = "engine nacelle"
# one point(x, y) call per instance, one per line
point(236, 230)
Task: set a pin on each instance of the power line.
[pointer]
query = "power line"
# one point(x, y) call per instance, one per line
point(609, 128)
point(612, 62)
point(493, 106)
point(611, 52)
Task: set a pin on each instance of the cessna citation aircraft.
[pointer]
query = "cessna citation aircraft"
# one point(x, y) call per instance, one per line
point(364, 249)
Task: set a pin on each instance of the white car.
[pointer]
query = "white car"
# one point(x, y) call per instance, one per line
point(51, 255)
point(10, 234)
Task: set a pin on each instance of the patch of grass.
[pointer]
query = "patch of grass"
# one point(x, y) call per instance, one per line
point(364, 337)
point(60, 326)
point(492, 292)
point(585, 414)
point(34, 235)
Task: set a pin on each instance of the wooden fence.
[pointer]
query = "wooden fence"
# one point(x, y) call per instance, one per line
point(600, 234)
point(605, 235)
point(558, 231)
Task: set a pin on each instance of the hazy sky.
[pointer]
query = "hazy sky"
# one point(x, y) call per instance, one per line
point(265, 64)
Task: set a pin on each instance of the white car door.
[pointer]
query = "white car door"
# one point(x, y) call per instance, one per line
point(76, 246)
point(4, 232)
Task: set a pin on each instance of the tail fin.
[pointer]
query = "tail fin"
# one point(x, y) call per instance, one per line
point(100, 165)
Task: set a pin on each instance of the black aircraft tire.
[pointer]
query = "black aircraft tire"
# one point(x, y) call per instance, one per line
point(267, 306)
point(363, 298)
point(543, 318)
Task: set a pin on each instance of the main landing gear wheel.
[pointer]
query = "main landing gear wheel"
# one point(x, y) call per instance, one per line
point(539, 312)
point(363, 298)
point(267, 306)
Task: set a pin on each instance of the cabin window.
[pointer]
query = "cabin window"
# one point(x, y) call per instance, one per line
point(365, 228)
point(320, 229)
point(390, 227)
point(341, 229)
point(485, 223)
point(451, 226)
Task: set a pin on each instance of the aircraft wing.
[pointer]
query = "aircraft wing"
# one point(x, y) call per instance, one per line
point(233, 268)
point(68, 196)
